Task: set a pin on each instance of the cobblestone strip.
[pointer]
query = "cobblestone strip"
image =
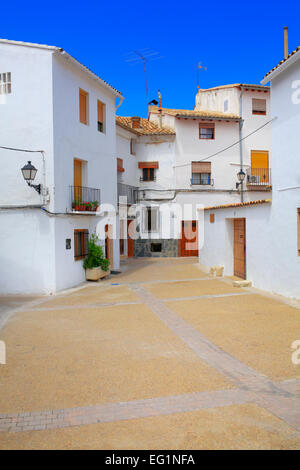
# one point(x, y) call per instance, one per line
point(207, 296)
point(55, 419)
point(274, 398)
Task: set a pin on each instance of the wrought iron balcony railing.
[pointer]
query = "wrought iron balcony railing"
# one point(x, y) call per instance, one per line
point(129, 191)
point(259, 176)
point(84, 199)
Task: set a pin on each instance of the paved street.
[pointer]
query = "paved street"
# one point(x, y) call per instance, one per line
point(162, 356)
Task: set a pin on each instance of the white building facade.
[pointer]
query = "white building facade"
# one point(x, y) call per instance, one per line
point(55, 105)
point(197, 163)
point(269, 231)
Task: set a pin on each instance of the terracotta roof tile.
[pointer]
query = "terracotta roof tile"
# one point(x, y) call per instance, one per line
point(191, 113)
point(282, 61)
point(239, 204)
point(146, 127)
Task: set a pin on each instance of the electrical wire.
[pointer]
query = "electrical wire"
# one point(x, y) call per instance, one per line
point(21, 150)
point(229, 146)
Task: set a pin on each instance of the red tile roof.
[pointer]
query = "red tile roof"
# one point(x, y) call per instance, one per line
point(282, 61)
point(239, 204)
point(190, 113)
point(146, 127)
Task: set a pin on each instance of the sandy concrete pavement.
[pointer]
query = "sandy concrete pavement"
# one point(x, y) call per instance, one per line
point(160, 356)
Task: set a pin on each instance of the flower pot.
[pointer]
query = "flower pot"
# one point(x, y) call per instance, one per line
point(95, 274)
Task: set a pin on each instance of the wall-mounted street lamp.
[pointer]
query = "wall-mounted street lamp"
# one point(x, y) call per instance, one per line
point(241, 176)
point(29, 172)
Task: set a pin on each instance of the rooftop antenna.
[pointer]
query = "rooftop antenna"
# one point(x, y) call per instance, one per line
point(144, 56)
point(199, 67)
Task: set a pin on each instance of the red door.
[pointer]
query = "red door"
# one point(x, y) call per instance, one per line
point(189, 238)
point(130, 241)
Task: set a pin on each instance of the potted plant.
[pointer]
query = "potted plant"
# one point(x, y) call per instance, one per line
point(95, 264)
point(76, 205)
point(95, 205)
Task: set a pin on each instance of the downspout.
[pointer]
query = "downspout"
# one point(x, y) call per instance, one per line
point(240, 139)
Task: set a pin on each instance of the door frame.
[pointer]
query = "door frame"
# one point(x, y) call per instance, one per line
point(241, 273)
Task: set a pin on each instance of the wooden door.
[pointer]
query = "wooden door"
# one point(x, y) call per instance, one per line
point(189, 238)
point(109, 247)
point(77, 191)
point(130, 241)
point(259, 163)
point(240, 248)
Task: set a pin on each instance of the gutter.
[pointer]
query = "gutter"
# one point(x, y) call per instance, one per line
point(240, 137)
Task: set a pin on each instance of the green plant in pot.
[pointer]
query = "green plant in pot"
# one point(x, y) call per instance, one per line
point(95, 264)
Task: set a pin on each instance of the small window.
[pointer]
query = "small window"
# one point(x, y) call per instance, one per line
point(83, 106)
point(298, 210)
point(201, 173)
point(5, 83)
point(206, 131)
point(132, 147)
point(148, 174)
point(225, 106)
point(81, 238)
point(259, 106)
point(151, 219)
point(212, 218)
point(101, 116)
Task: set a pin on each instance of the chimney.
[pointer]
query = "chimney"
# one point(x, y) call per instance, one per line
point(135, 122)
point(159, 108)
point(286, 42)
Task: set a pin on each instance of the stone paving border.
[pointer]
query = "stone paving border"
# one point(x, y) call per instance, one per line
point(53, 419)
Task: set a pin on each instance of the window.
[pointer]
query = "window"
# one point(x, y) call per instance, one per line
point(206, 131)
point(225, 106)
point(132, 147)
point(101, 116)
point(151, 219)
point(81, 238)
point(298, 210)
point(5, 83)
point(148, 170)
point(212, 218)
point(83, 106)
point(259, 106)
point(201, 173)
point(148, 174)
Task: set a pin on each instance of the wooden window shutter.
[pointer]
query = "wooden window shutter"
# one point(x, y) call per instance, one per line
point(100, 111)
point(120, 165)
point(201, 167)
point(212, 218)
point(259, 106)
point(207, 125)
point(82, 106)
point(148, 164)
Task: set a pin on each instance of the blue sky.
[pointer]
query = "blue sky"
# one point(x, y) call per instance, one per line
point(236, 41)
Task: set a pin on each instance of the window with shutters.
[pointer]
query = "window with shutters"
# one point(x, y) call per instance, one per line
point(148, 170)
point(201, 173)
point(5, 83)
point(259, 106)
point(151, 219)
point(206, 131)
point(101, 116)
point(81, 238)
point(83, 106)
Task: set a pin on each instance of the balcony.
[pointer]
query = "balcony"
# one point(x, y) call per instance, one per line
point(258, 177)
point(84, 199)
point(125, 190)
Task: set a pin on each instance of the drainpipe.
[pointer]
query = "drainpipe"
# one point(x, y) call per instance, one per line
point(240, 138)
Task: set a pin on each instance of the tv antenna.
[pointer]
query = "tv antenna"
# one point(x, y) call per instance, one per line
point(199, 67)
point(144, 56)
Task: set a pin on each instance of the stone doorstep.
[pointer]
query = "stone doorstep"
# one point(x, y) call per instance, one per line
point(243, 283)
